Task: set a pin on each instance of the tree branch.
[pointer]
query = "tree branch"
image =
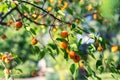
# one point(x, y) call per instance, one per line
point(3, 17)
point(45, 11)
point(34, 21)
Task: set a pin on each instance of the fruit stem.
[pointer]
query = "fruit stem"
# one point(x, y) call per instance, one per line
point(2, 63)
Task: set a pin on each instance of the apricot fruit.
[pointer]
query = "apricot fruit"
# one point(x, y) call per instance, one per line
point(4, 57)
point(89, 8)
point(100, 48)
point(63, 45)
point(114, 48)
point(76, 21)
point(7, 58)
point(51, 1)
point(95, 16)
point(72, 54)
point(34, 15)
point(76, 58)
point(18, 24)
point(3, 36)
point(34, 41)
point(49, 9)
point(64, 34)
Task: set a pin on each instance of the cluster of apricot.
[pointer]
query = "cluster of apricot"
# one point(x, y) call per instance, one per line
point(64, 46)
point(96, 14)
point(99, 47)
point(114, 48)
point(17, 25)
point(7, 60)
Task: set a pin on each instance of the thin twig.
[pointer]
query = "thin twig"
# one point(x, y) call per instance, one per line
point(2, 63)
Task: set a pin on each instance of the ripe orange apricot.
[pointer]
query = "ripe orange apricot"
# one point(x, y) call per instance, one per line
point(67, 50)
point(4, 57)
point(7, 58)
point(3, 36)
point(34, 41)
point(34, 15)
point(72, 54)
point(18, 24)
point(114, 48)
point(99, 48)
point(76, 58)
point(49, 9)
point(76, 21)
point(64, 34)
point(63, 45)
point(89, 8)
point(95, 16)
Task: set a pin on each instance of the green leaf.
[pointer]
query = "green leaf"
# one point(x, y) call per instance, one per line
point(69, 11)
point(19, 70)
point(36, 48)
point(89, 70)
point(73, 26)
point(92, 55)
point(60, 39)
point(41, 54)
point(92, 30)
point(80, 41)
point(61, 13)
point(18, 60)
point(98, 78)
point(72, 68)
point(98, 63)
point(51, 53)
point(24, 8)
point(77, 30)
point(54, 47)
point(101, 69)
point(65, 55)
point(33, 31)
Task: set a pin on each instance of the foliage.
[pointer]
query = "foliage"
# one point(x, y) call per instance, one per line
point(77, 30)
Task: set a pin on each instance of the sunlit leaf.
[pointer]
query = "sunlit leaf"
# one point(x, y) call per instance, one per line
point(72, 68)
